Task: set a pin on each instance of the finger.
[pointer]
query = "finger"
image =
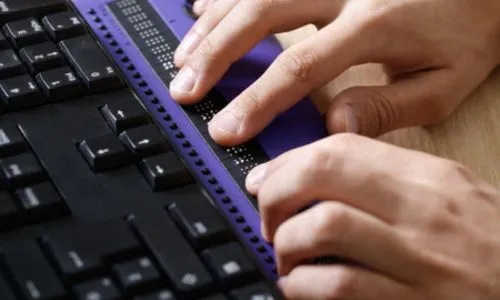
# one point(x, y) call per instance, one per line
point(341, 282)
point(237, 33)
point(333, 229)
point(200, 6)
point(367, 174)
point(201, 28)
point(420, 100)
point(300, 69)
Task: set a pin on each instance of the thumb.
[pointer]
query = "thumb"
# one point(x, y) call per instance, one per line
point(372, 111)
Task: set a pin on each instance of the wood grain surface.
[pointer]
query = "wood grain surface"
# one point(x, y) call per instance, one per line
point(470, 136)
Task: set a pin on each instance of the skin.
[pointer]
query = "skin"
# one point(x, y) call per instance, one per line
point(406, 224)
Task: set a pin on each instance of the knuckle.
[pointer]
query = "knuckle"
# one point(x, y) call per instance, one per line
point(341, 146)
point(258, 8)
point(343, 283)
point(207, 51)
point(386, 114)
point(298, 63)
point(331, 220)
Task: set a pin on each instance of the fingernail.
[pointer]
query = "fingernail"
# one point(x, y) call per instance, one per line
point(256, 176)
point(199, 6)
point(184, 81)
point(226, 122)
point(187, 46)
point(351, 122)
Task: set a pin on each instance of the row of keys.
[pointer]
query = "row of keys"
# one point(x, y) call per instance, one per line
point(30, 31)
point(109, 259)
point(31, 197)
point(94, 73)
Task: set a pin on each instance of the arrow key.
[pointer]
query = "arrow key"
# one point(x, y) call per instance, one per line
point(165, 171)
point(145, 141)
point(104, 153)
point(60, 84)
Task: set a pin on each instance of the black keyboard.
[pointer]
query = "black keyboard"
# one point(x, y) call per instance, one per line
point(94, 202)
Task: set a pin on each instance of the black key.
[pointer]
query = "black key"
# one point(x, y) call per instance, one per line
point(63, 25)
point(31, 272)
point(41, 202)
point(21, 170)
point(127, 114)
point(174, 254)
point(21, 92)
point(60, 84)
point(145, 141)
point(11, 140)
point(137, 275)
point(9, 215)
point(17, 9)
point(4, 43)
point(104, 153)
point(165, 171)
point(10, 64)
point(82, 252)
point(231, 264)
point(161, 295)
point(41, 57)
point(256, 291)
point(99, 289)
point(199, 220)
point(24, 32)
point(93, 67)
point(5, 290)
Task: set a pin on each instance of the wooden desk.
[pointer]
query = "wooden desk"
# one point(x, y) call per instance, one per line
point(470, 136)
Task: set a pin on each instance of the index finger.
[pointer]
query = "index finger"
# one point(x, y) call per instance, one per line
point(292, 76)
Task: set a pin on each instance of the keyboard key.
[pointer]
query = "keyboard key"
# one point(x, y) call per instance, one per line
point(63, 25)
point(125, 115)
point(93, 67)
point(31, 272)
point(24, 32)
point(165, 171)
point(4, 43)
point(21, 92)
point(259, 291)
point(41, 57)
point(99, 289)
point(21, 170)
point(145, 141)
point(12, 141)
point(104, 153)
point(199, 220)
point(41, 202)
point(18, 9)
point(161, 295)
point(60, 84)
point(6, 292)
point(10, 64)
point(9, 214)
point(81, 252)
point(137, 275)
point(174, 254)
point(231, 264)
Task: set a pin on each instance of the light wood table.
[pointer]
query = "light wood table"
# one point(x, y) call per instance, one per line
point(470, 136)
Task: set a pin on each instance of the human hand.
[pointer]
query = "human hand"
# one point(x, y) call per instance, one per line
point(435, 53)
point(414, 225)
